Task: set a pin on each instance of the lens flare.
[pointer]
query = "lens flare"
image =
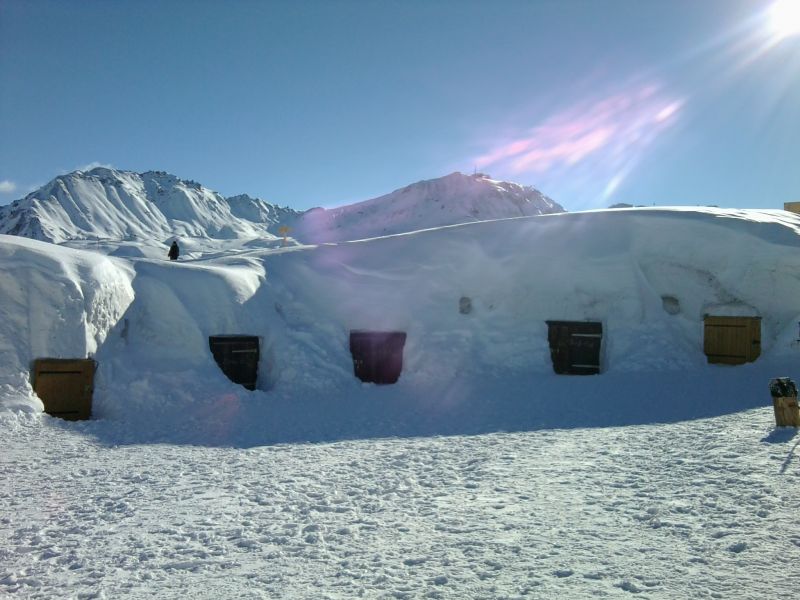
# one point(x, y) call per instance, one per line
point(784, 18)
point(594, 142)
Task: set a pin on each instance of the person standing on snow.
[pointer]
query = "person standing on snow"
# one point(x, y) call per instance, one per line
point(173, 251)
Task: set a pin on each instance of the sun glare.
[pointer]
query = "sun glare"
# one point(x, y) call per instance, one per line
point(784, 18)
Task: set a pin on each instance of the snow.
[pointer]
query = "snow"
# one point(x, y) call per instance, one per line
point(106, 205)
point(112, 207)
point(693, 509)
point(481, 473)
point(453, 199)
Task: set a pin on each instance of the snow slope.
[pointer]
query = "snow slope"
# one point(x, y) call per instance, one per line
point(106, 204)
point(456, 198)
point(111, 208)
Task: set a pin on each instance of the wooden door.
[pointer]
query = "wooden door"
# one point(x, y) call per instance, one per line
point(575, 346)
point(732, 340)
point(237, 356)
point(65, 386)
point(377, 355)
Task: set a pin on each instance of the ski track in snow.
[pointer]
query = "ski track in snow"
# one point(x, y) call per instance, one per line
point(695, 509)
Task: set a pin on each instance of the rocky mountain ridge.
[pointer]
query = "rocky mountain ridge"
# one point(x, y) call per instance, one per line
point(110, 204)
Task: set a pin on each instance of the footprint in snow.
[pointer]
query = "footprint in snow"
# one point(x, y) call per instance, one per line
point(564, 573)
point(737, 548)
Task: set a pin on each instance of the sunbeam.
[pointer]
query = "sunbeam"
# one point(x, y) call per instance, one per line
point(590, 146)
point(784, 18)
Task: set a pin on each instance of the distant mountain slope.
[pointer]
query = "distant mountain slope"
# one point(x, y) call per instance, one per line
point(449, 200)
point(110, 204)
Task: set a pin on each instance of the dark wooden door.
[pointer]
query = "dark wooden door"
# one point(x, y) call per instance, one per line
point(65, 386)
point(377, 355)
point(575, 346)
point(237, 356)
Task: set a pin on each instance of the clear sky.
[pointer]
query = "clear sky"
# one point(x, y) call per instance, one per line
point(328, 102)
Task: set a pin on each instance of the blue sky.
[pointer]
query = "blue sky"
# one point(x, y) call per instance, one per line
point(322, 103)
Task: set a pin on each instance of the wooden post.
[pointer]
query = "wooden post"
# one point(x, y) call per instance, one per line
point(784, 402)
point(284, 231)
point(787, 412)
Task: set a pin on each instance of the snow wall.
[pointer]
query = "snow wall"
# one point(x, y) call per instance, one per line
point(649, 275)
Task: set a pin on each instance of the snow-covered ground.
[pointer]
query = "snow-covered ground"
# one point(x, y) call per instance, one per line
point(480, 474)
point(694, 509)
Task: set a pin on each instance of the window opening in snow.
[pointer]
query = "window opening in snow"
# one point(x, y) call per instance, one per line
point(377, 355)
point(237, 356)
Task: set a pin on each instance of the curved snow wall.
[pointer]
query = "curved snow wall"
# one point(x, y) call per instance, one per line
point(649, 276)
point(54, 302)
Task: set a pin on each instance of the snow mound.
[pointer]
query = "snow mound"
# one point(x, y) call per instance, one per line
point(58, 303)
point(649, 275)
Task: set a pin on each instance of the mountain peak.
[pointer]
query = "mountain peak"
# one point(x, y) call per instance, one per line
point(111, 204)
point(448, 200)
point(107, 203)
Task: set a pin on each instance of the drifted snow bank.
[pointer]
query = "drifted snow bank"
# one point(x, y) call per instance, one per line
point(649, 275)
point(56, 302)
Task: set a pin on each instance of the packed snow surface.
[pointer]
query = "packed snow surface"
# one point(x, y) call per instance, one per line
point(480, 474)
point(694, 509)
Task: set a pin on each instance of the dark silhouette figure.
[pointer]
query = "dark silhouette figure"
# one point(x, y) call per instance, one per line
point(173, 251)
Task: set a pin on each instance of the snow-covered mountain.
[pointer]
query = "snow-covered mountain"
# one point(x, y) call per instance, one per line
point(108, 204)
point(121, 205)
point(450, 200)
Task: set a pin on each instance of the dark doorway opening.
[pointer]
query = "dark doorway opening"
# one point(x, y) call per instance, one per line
point(237, 356)
point(377, 355)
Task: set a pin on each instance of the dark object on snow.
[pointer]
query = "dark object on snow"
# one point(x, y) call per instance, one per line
point(377, 355)
point(465, 305)
point(575, 346)
point(237, 356)
point(782, 387)
point(784, 402)
point(731, 340)
point(65, 386)
point(174, 251)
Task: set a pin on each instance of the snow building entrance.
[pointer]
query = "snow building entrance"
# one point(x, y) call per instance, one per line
point(377, 355)
point(237, 356)
point(575, 346)
point(731, 340)
point(65, 386)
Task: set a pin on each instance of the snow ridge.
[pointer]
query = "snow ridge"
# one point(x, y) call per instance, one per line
point(121, 205)
point(110, 205)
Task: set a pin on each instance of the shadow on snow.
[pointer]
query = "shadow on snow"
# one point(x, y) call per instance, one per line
point(232, 417)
